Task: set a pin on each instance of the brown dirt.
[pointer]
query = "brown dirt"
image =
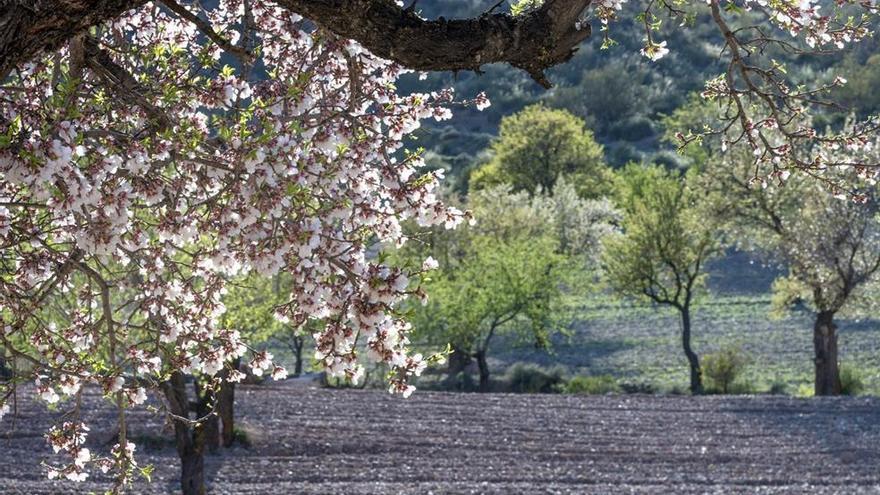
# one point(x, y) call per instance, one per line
point(316, 441)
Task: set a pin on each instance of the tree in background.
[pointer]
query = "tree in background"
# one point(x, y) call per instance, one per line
point(662, 252)
point(510, 272)
point(537, 146)
point(830, 246)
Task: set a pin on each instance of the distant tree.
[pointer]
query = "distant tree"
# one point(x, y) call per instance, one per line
point(508, 273)
point(662, 252)
point(831, 246)
point(537, 146)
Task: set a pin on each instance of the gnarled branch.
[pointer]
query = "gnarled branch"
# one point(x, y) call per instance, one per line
point(534, 41)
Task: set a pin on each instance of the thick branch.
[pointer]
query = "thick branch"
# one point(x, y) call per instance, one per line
point(31, 27)
point(533, 42)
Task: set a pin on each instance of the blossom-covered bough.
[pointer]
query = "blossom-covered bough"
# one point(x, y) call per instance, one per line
point(140, 173)
point(767, 110)
point(150, 152)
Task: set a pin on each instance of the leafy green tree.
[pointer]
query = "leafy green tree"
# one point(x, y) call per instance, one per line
point(538, 145)
point(250, 308)
point(662, 252)
point(509, 273)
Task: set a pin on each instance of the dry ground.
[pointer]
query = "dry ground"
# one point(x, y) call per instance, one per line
point(366, 442)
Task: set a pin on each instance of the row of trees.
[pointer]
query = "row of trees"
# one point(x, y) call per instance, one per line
point(546, 232)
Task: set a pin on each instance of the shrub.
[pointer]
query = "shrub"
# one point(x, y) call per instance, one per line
point(778, 387)
point(805, 390)
point(638, 388)
point(722, 368)
point(851, 381)
point(591, 385)
point(533, 379)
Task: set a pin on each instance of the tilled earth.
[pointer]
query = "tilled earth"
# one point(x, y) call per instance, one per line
point(316, 441)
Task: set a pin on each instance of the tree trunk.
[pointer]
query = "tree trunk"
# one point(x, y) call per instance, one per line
point(192, 473)
point(825, 348)
point(484, 370)
point(190, 446)
point(5, 371)
point(459, 360)
point(207, 433)
point(298, 343)
point(226, 407)
point(693, 360)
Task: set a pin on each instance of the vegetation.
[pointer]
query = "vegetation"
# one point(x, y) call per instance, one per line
point(724, 367)
point(186, 188)
point(507, 273)
point(830, 247)
point(591, 385)
point(662, 253)
point(537, 146)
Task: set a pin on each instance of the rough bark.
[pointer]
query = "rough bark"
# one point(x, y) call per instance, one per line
point(693, 360)
point(483, 366)
point(189, 444)
point(825, 348)
point(533, 42)
point(31, 27)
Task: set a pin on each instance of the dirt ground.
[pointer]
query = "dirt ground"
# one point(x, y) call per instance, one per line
point(314, 441)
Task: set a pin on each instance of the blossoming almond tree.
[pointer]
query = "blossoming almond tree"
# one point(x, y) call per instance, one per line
point(140, 173)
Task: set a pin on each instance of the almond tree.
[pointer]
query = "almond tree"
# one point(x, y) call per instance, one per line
point(755, 89)
point(662, 252)
point(140, 173)
point(830, 246)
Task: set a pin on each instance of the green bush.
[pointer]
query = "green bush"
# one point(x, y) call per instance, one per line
point(778, 387)
point(591, 385)
point(722, 368)
point(851, 381)
point(533, 379)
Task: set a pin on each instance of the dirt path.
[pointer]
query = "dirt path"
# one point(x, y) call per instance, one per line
point(366, 442)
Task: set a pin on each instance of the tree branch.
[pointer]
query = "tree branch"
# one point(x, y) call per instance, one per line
point(207, 30)
point(534, 42)
point(31, 27)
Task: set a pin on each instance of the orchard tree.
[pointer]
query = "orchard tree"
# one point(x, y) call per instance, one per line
point(140, 174)
point(537, 146)
point(510, 272)
point(830, 246)
point(662, 252)
point(758, 92)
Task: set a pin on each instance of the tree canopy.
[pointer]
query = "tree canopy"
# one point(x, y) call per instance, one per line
point(537, 146)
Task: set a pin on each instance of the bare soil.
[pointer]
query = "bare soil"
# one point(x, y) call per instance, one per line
point(316, 441)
